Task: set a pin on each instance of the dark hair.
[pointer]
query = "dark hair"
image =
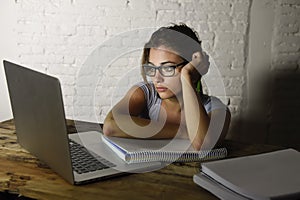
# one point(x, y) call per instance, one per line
point(179, 38)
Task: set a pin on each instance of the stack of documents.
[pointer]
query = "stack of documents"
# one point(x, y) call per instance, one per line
point(274, 175)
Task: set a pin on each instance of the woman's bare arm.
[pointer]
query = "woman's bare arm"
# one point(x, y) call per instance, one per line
point(200, 124)
point(124, 121)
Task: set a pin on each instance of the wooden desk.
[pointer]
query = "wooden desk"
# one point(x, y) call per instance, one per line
point(24, 175)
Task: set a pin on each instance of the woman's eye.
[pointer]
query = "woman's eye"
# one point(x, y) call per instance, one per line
point(152, 69)
point(149, 68)
point(168, 69)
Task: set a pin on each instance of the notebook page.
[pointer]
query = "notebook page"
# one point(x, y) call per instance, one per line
point(136, 145)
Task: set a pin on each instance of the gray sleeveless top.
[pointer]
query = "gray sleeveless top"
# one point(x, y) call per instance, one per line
point(153, 100)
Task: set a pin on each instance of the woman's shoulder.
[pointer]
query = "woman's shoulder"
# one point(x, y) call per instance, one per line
point(148, 88)
point(152, 100)
point(144, 84)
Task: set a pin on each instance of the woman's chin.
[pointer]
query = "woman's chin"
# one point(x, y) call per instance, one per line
point(165, 95)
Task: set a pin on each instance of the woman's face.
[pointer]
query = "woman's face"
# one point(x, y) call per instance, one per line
point(167, 87)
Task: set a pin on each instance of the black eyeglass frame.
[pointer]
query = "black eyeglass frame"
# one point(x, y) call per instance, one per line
point(159, 68)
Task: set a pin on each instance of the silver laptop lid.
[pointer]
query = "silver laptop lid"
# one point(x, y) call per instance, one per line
point(39, 116)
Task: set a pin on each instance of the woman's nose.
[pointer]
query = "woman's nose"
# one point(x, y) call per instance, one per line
point(158, 78)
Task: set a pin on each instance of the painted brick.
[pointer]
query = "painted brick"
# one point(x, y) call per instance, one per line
point(58, 36)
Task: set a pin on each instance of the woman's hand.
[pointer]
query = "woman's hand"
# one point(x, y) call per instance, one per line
point(197, 67)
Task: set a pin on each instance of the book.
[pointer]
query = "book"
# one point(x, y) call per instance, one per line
point(164, 150)
point(216, 188)
point(273, 175)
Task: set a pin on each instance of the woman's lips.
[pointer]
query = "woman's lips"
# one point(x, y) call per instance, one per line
point(161, 89)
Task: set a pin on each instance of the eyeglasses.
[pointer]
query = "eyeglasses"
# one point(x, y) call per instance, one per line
point(166, 71)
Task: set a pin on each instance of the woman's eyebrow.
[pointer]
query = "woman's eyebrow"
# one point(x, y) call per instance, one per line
point(167, 62)
point(163, 63)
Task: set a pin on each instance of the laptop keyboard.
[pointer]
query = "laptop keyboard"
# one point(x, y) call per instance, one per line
point(83, 161)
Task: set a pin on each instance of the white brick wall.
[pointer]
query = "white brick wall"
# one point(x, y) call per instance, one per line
point(286, 43)
point(283, 120)
point(57, 37)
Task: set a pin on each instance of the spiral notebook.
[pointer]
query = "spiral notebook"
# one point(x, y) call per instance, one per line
point(163, 150)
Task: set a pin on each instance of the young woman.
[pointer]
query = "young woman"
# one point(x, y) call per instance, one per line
point(172, 104)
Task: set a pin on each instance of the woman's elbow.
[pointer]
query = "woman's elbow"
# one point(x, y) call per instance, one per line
point(197, 144)
point(107, 131)
point(108, 127)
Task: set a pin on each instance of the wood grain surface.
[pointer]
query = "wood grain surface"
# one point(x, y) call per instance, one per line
point(24, 175)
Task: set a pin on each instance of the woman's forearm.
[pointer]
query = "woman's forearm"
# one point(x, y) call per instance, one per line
point(197, 120)
point(122, 125)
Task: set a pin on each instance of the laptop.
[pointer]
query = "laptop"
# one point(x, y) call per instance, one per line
point(39, 115)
